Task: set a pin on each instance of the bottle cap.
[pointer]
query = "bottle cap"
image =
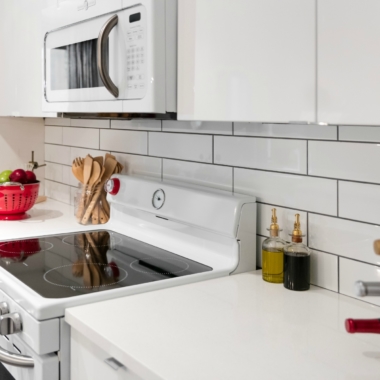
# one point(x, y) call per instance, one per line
point(297, 233)
point(274, 227)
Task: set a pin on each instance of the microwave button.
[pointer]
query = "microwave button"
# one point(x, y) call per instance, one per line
point(140, 77)
point(130, 87)
point(141, 86)
point(137, 68)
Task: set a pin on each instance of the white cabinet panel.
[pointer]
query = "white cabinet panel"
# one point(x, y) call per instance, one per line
point(349, 61)
point(247, 60)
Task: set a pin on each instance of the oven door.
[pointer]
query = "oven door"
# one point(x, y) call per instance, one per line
point(45, 367)
point(101, 59)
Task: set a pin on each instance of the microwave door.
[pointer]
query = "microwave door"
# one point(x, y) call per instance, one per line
point(71, 62)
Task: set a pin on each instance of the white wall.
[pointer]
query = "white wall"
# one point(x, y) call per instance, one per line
point(18, 137)
point(329, 174)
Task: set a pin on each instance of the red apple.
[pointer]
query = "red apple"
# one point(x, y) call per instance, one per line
point(30, 177)
point(18, 175)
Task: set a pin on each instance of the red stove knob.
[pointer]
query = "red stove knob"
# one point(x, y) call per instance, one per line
point(112, 186)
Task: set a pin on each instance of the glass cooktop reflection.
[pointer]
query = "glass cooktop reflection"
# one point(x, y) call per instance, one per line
point(82, 263)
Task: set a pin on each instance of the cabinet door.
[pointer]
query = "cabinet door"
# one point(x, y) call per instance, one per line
point(349, 61)
point(247, 60)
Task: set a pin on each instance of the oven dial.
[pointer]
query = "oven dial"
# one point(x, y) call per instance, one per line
point(158, 199)
point(4, 308)
point(112, 186)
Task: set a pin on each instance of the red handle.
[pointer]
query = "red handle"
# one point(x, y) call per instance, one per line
point(371, 326)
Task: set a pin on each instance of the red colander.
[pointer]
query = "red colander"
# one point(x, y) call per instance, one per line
point(16, 199)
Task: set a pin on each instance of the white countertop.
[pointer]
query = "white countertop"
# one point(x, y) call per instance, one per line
point(48, 217)
point(237, 327)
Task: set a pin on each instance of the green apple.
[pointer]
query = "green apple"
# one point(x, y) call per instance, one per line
point(4, 176)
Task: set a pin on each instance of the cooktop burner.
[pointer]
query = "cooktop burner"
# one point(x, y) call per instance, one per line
point(62, 266)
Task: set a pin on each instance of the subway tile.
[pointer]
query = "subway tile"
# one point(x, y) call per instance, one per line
point(352, 161)
point(324, 270)
point(259, 244)
point(68, 176)
point(140, 165)
point(294, 131)
point(73, 195)
point(285, 219)
point(54, 172)
point(359, 201)
point(83, 152)
point(343, 237)
point(124, 141)
point(210, 127)
point(261, 153)
point(351, 271)
point(143, 125)
point(53, 135)
point(57, 191)
point(60, 121)
point(57, 154)
point(359, 133)
point(181, 146)
point(90, 123)
point(288, 190)
point(81, 137)
point(219, 177)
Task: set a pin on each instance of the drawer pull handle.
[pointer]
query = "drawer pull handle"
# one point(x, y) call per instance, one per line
point(114, 364)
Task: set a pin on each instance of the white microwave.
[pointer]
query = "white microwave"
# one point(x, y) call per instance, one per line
point(110, 56)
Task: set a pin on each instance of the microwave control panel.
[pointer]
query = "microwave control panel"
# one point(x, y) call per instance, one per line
point(136, 53)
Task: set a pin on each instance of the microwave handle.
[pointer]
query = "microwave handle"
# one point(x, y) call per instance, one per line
point(102, 54)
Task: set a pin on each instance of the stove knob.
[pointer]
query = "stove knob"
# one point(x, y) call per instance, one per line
point(10, 324)
point(112, 186)
point(4, 308)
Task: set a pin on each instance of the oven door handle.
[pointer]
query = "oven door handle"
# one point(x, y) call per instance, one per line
point(102, 55)
point(15, 360)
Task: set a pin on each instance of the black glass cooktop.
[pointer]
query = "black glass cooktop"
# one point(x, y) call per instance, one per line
point(70, 265)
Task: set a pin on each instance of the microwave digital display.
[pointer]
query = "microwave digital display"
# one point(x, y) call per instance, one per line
point(135, 17)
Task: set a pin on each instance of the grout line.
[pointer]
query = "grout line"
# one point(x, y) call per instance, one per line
point(213, 150)
point(337, 132)
point(147, 142)
point(233, 128)
point(307, 157)
point(318, 213)
point(338, 268)
point(337, 198)
point(233, 180)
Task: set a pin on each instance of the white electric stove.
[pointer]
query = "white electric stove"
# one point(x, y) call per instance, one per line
point(160, 234)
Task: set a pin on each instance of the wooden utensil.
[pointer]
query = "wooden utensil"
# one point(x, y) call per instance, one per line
point(109, 168)
point(376, 247)
point(77, 169)
point(87, 169)
point(94, 179)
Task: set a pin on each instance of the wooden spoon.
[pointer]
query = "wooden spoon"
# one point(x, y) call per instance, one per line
point(376, 247)
point(77, 169)
point(94, 179)
point(86, 177)
point(109, 168)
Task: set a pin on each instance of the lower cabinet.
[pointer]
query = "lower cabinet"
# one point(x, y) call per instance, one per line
point(89, 362)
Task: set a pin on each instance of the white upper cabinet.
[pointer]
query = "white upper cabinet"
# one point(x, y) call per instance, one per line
point(247, 60)
point(349, 61)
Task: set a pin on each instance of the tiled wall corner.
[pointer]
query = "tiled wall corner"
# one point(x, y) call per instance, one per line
point(324, 173)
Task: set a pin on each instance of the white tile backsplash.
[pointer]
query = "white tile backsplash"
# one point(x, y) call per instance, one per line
point(218, 177)
point(141, 125)
point(334, 189)
point(359, 201)
point(81, 137)
point(124, 141)
point(58, 154)
point(209, 127)
point(285, 219)
point(352, 161)
point(352, 271)
point(324, 270)
point(181, 146)
point(288, 190)
point(294, 131)
point(90, 123)
point(359, 133)
point(343, 237)
point(53, 135)
point(261, 153)
point(140, 165)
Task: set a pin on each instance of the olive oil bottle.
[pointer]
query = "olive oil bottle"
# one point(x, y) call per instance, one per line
point(273, 254)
